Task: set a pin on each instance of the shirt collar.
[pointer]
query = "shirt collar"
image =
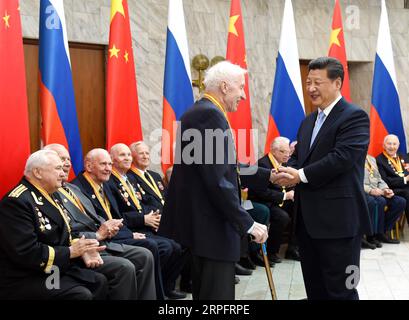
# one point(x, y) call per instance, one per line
point(328, 109)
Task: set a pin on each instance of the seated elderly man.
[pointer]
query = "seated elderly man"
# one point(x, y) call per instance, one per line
point(93, 182)
point(280, 202)
point(393, 169)
point(39, 259)
point(379, 198)
point(129, 269)
point(145, 218)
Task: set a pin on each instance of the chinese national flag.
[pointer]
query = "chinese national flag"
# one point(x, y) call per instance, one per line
point(241, 119)
point(123, 119)
point(337, 48)
point(14, 128)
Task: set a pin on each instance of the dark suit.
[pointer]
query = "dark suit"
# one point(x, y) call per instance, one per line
point(129, 269)
point(170, 252)
point(202, 207)
point(393, 180)
point(332, 214)
point(34, 238)
point(150, 198)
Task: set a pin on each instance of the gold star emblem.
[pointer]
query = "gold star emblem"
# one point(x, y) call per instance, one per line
point(126, 56)
point(114, 51)
point(334, 37)
point(6, 20)
point(117, 6)
point(232, 27)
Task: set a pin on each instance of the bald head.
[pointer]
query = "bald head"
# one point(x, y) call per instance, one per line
point(140, 155)
point(121, 158)
point(98, 164)
point(391, 144)
point(64, 156)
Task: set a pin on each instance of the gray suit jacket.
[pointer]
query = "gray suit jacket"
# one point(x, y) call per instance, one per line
point(374, 181)
point(85, 225)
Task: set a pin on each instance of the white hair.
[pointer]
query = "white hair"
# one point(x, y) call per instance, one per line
point(134, 145)
point(224, 71)
point(279, 141)
point(390, 136)
point(38, 159)
point(115, 147)
point(91, 155)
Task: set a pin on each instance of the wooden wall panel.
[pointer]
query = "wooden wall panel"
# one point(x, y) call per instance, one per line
point(88, 69)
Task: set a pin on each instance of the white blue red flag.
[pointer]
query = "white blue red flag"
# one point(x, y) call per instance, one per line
point(177, 89)
point(57, 101)
point(385, 114)
point(287, 102)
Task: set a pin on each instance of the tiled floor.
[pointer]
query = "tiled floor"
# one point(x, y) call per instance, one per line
point(384, 276)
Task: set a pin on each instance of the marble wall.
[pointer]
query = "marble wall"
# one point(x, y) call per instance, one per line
point(206, 24)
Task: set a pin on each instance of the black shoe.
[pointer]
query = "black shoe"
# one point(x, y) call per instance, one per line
point(373, 240)
point(186, 287)
point(259, 260)
point(385, 239)
point(174, 295)
point(366, 245)
point(247, 263)
point(240, 271)
point(236, 280)
point(274, 258)
point(292, 254)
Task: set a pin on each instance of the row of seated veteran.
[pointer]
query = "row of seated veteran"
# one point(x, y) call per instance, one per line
point(387, 190)
point(97, 233)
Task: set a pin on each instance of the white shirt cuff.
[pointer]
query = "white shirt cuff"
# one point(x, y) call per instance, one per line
point(302, 175)
point(285, 196)
point(251, 228)
point(404, 181)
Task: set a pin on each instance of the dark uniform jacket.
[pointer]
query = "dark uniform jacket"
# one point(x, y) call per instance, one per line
point(389, 174)
point(149, 197)
point(273, 194)
point(34, 238)
point(133, 215)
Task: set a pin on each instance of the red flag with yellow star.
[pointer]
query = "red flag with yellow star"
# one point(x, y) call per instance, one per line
point(14, 128)
point(337, 48)
point(123, 119)
point(241, 119)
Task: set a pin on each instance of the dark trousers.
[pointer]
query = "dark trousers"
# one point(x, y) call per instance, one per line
point(212, 279)
point(172, 257)
point(382, 220)
point(152, 246)
point(279, 219)
point(404, 193)
point(325, 264)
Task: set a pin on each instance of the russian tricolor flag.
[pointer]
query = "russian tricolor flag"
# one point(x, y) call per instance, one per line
point(287, 102)
point(385, 112)
point(177, 90)
point(57, 101)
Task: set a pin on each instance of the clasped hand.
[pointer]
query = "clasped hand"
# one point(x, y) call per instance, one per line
point(285, 176)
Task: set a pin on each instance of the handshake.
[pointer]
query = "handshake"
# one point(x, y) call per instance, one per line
point(285, 176)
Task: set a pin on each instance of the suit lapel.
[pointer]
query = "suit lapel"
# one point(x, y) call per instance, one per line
point(303, 147)
point(76, 214)
point(332, 117)
point(89, 192)
point(87, 204)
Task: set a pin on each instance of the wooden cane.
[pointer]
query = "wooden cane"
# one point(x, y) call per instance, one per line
point(268, 272)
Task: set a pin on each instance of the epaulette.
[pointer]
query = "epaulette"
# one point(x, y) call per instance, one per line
point(17, 191)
